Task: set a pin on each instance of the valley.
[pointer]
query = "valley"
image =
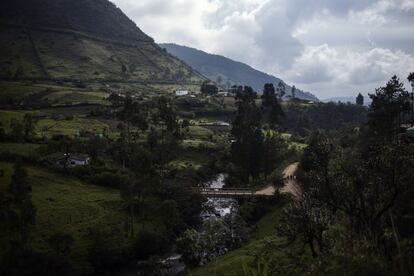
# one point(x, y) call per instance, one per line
point(121, 156)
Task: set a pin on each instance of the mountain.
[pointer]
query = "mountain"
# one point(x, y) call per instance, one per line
point(228, 72)
point(82, 40)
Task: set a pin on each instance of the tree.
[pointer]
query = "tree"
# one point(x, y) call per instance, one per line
point(281, 90)
point(388, 106)
point(2, 133)
point(208, 88)
point(411, 77)
point(360, 99)
point(140, 180)
point(29, 127)
point(20, 186)
point(17, 130)
point(271, 108)
point(20, 189)
point(293, 92)
point(171, 218)
point(246, 129)
point(61, 243)
point(274, 152)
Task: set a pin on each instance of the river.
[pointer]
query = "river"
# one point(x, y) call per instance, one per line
point(171, 264)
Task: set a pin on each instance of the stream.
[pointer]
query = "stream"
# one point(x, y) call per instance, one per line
point(171, 264)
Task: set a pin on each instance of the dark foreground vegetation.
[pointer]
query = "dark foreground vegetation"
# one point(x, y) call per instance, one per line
point(354, 214)
point(133, 195)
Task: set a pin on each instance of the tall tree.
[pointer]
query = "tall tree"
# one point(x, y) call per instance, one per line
point(271, 108)
point(246, 129)
point(20, 186)
point(360, 99)
point(281, 89)
point(389, 104)
point(17, 130)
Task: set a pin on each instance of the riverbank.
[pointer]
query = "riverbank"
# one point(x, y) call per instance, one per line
point(238, 261)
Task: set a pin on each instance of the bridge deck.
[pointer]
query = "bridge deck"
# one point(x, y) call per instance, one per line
point(229, 192)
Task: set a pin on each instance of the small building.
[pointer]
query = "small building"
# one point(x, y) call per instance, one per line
point(223, 94)
point(78, 159)
point(73, 160)
point(180, 93)
point(222, 123)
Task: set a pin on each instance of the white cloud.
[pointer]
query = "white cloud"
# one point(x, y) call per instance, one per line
point(346, 71)
point(330, 47)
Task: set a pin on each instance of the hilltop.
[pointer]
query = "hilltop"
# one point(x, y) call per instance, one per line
point(82, 40)
point(229, 72)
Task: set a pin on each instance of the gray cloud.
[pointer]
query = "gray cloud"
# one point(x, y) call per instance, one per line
point(330, 47)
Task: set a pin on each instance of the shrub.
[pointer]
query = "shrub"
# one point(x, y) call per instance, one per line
point(148, 243)
point(108, 179)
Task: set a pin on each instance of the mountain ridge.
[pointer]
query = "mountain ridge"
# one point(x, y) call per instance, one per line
point(234, 72)
point(60, 40)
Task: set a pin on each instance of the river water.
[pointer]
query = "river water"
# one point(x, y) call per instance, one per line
point(218, 207)
point(212, 208)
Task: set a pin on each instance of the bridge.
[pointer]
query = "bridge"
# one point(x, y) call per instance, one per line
point(291, 186)
point(224, 192)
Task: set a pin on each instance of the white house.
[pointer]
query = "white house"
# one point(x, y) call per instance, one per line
point(223, 94)
point(180, 93)
point(73, 160)
point(78, 159)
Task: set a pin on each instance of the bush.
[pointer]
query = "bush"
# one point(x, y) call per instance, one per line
point(108, 179)
point(148, 243)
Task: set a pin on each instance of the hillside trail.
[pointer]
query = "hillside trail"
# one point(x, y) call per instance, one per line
point(291, 186)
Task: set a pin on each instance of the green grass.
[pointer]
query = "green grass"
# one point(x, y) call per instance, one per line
point(68, 205)
point(190, 159)
point(24, 150)
point(49, 127)
point(18, 90)
point(7, 116)
point(199, 132)
point(195, 144)
point(71, 97)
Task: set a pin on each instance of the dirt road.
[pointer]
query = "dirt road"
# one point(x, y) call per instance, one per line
point(291, 185)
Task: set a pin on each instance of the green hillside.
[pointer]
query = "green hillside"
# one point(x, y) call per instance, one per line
point(59, 40)
point(227, 72)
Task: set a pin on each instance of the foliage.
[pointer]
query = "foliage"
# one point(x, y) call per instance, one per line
point(388, 105)
point(301, 119)
point(61, 243)
point(246, 129)
point(208, 89)
point(360, 99)
point(270, 105)
point(353, 194)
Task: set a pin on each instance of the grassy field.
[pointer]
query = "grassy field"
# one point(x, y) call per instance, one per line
point(6, 116)
point(70, 206)
point(24, 150)
point(71, 98)
point(49, 127)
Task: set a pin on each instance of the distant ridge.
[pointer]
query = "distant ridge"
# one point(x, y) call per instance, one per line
point(230, 72)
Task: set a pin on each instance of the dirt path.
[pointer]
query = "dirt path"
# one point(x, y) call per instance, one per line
point(291, 186)
point(268, 191)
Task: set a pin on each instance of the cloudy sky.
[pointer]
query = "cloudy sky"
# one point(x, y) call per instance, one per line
point(329, 47)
